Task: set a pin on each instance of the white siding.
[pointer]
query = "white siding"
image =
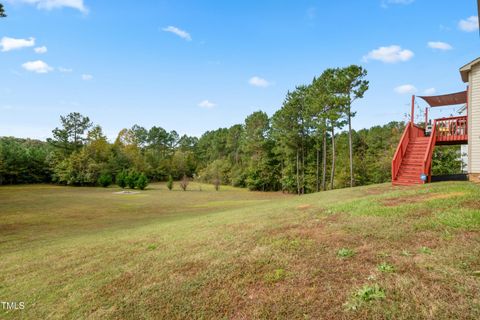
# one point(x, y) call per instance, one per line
point(474, 121)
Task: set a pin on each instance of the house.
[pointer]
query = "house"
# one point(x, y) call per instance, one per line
point(412, 162)
point(471, 74)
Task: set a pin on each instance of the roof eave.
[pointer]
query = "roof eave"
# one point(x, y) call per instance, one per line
point(465, 70)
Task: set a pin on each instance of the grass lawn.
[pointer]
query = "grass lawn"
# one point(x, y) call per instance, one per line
point(374, 252)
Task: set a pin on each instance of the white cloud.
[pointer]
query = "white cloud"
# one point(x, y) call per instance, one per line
point(55, 4)
point(8, 44)
point(64, 70)
point(179, 32)
point(430, 91)
point(37, 66)
point(40, 50)
point(259, 82)
point(439, 45)
point(406, 88)
point(390, 54)
point(206, 104)
point(87, 77)
point(469, 25)
point(385, 3)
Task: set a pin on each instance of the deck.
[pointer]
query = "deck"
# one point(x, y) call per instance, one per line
point(451, 130)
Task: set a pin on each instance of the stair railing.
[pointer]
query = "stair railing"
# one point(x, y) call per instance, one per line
point(401, 149)
point(427, 160)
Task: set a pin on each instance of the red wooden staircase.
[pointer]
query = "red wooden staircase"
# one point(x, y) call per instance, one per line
point(411, 167)
point(413, 156)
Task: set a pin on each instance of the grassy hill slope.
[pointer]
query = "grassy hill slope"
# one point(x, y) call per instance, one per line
point(369, 252)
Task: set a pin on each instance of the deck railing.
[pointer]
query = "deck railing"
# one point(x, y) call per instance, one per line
point(427, 161)
point(401, 149)
point(452, 129)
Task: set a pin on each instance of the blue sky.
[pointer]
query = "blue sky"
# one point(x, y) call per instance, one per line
point(194, 66)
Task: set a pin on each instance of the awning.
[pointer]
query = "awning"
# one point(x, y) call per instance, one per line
point(446, 99)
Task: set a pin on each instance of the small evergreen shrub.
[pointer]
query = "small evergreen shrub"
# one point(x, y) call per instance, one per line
point(170, 183)
point(131, 179)
point(121, 179)
point(141, 182)
point(105, 180)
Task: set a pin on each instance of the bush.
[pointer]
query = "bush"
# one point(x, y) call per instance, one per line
point(105, 180)
point(131, 179)
point(170, 183)
point(121, 179)
point(141, 182)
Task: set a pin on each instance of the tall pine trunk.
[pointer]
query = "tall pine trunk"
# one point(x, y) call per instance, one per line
point(303, 169)
point(350, 147)
point(324, 159)
point(318, 170)
point(332, 175)
point(298, 175)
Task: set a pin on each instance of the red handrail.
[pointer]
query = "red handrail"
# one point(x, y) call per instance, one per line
point(451, 118)
point(401, 149)
point(427, 160)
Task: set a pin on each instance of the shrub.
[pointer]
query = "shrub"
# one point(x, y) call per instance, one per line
point(170, 183)
point(121, 179)
point(184, 183)
point(105, 180)
point(131, 179)
point(141, 182)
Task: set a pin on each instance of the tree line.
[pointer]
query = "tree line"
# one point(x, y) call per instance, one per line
point(300, 149)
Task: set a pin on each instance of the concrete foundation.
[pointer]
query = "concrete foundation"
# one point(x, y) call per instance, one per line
point(474, 177)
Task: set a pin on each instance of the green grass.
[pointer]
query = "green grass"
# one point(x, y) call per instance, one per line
point(386, 267)
point(91, 253)
point(345, 253)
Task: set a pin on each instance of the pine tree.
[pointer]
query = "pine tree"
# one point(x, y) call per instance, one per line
point(2, 11)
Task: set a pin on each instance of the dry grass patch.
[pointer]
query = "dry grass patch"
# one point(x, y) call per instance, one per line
point(418, 198)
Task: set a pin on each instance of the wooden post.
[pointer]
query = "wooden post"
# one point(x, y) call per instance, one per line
point(426, 117)
point(413, 109)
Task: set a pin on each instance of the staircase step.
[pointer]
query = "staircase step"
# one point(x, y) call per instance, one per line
point(415, 157)
point(405, 183)
point(410, 171)
point(412, 162)
point(419, 143)
point(403, 179)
